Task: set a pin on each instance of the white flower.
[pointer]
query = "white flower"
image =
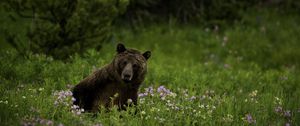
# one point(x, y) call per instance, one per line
point(41, 89)
point(213, 107)
point(201, 106)
point(129, 101)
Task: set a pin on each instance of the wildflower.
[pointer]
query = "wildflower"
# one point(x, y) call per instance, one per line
point(129, 101)
point(142, 100)
point(76, 109)
point(63, 97)
point(163, 92)
point(202, 97)
point(201, 106)
point(207, 106)
point(287, 124)
point(207, 29)
point(278, 109)
point(185, 92)
point(287, 113)
point(162, 89)
point(278, 101)
point(225, 40)
point(49, 122)
point(228, 118)
point(149, 90)
point(209, 112)
point(41, 89)
point(249, 119)
point(73, 99)
point(37, 121)
point(192, 98)
point(253, 93)
point(213, 107)
point(142, 94)
point(226, 66)
point(216, 28)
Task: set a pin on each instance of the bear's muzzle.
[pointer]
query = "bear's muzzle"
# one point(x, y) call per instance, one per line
point(127, 73)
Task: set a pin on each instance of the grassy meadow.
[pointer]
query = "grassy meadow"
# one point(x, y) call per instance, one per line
point(242, 74)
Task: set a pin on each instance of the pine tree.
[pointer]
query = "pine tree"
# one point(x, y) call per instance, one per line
point(63, 27)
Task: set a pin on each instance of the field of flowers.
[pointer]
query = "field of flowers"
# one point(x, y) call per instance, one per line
point(245, 75)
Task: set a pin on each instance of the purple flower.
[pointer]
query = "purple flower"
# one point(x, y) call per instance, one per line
point(150, 91)
point(49, 122)
point(250, 119)
point(278, 109)
point(163, 91)
point(37, 121)
point(143, 94)
point(287, 113)
point(63, 97)
point(287, 124)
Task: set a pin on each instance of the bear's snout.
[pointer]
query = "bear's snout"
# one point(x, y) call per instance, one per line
point(127, 73)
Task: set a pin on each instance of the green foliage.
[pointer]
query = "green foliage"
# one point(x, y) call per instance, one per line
point(250, 78)
point(61, 28)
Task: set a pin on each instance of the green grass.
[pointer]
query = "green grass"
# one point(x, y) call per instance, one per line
point(212, 82)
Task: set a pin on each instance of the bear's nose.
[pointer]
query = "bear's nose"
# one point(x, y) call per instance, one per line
point(126, 76)
point(127, 73)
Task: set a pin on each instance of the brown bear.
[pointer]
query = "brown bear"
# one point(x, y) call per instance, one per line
point(115, 83)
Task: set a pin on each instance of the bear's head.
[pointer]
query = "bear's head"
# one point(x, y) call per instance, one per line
point(131, 64)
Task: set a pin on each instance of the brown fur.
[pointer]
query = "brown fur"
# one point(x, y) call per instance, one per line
point(105, 87)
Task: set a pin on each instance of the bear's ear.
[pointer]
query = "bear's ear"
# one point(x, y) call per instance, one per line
point(120, 48)
point(147, 55)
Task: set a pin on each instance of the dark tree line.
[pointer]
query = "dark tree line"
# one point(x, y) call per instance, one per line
point(203, 11)
point(60, 28)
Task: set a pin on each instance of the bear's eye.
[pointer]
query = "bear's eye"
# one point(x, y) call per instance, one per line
point(135, 65)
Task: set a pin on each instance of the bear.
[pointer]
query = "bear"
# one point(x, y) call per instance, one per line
point(115, 84)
